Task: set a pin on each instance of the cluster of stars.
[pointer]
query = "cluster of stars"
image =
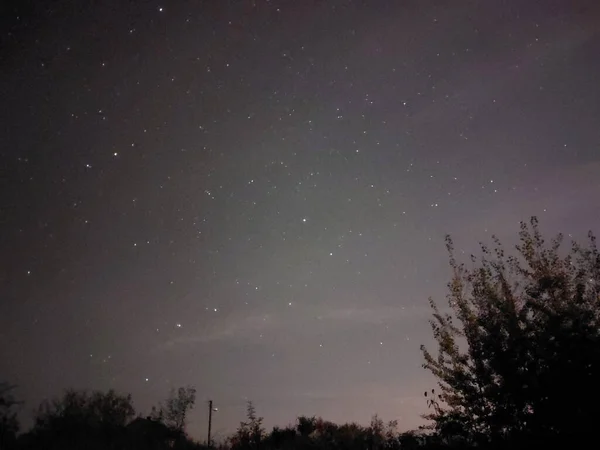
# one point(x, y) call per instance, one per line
point(217, 182)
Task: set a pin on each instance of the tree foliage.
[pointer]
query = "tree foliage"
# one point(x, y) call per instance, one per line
point(518, 359)
point(315, 433)
point(108, 409)
point(106, 420)
point(9, 424)
point(518, 353)
point(250, 434)
point(175, 410)
point(80, 418)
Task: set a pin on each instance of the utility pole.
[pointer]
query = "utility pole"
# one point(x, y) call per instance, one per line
point(210, 410)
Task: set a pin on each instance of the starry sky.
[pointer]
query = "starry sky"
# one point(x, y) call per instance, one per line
point(252, 196)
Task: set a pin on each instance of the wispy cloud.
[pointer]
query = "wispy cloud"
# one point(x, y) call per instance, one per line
point(377, 315)
point(250, 327)
point(226, 330)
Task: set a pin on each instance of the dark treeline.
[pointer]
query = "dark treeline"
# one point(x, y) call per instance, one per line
point(517, 365)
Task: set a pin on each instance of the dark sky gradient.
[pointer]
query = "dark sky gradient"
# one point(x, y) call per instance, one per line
point(252, 196)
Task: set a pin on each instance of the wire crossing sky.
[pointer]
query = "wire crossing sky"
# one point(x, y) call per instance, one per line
point(251, 197)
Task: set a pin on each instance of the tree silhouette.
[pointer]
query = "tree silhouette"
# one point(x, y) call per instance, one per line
point(518, 353)
point(282, 438)
point(105, 421)
point(251, 433)
point(176, 408)
point(350, 436)
point(381, 435)
point(82, 420)
point(312, 433)
point(306, 425)
point(9, 425)
point(412, 440)
point(326, 434)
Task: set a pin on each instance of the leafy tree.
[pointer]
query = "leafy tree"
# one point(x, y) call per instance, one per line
point(251, 433)
point(176, 408)
point(306, 425)
point(281, 438)
point(326, 433)
point(519, 350)
point(312, 433)
point(350, 436)
point(381, 435)
point(82, 419)
point(376, 434)
point(97, 408)
point(412, 440)
point(9, 424)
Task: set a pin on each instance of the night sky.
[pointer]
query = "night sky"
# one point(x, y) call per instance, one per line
point(252, 196)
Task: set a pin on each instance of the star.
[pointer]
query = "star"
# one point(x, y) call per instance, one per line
point(242, 150)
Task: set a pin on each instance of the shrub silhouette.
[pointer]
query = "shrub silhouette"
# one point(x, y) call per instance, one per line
point(518, 358)
point(106, 420)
